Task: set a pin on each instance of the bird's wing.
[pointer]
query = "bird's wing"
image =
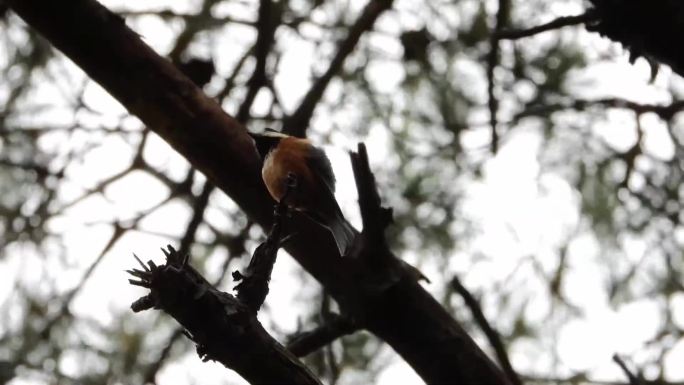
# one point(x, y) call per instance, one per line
point(319, 163)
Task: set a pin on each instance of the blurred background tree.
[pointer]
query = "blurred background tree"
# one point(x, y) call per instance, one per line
point(544, 172)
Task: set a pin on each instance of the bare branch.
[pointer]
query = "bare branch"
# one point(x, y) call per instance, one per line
point(563, 21)
point(297, 123)
point(633, 378)
point(269, 18)
point(221, 326)
point(492, 335)
point(492, 62)
point(334, 327)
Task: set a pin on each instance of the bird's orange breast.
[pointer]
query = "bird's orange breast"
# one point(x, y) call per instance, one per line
point(290, 156)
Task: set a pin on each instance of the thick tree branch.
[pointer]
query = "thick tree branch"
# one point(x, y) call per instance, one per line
point(297, 123)
point(384, 283)
point(391, 305)
point(224, 328)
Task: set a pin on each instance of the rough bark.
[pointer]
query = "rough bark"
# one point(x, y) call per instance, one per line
point(397, 309)
point(224, 328)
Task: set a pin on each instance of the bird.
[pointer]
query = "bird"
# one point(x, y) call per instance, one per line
point(314, 194)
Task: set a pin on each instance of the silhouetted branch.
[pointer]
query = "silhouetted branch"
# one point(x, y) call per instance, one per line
point(563, 21)
point(375, 217)
point(269, 18)
point(198, 207)
point(223, 328)
point(502, 16)
point(633, 378)
point(334, 327)
point(664, 111)
point(492, 335)
point(253, 289)
point(385, 281)
point(297, 123)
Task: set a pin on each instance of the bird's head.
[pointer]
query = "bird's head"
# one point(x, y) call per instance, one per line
point(266, 141)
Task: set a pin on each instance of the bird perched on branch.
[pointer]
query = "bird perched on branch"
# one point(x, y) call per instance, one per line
point(314, 194)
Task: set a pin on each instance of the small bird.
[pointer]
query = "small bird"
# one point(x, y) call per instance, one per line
point(314, 194)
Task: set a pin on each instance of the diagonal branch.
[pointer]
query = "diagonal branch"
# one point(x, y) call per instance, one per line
point(563, 21)
point(633, 378)
point(297, 123)
point(308, 342)
point(492, 335)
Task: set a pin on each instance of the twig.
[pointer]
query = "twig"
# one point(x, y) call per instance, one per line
point(492, 63)
point(665, 112)
point(198, 207)
point(633, 378)
point(193, 25)
point(269, 18)
point(560, 22)
point(297, 123)
point(492, 335)
point(308, 342)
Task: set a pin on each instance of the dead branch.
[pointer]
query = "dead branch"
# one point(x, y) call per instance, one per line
point(223, 328)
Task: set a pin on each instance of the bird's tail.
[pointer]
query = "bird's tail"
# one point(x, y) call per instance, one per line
point(344, 235)
point(343, 232)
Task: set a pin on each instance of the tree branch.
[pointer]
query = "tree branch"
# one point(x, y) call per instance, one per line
point(633, 378)
point(502, 15)
point(297, 123)
point(492, 335)
point(266, 26)
point(333, 328)
point(223, 327)
point(384, 282)
point(563, 21)
point(253, 289)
